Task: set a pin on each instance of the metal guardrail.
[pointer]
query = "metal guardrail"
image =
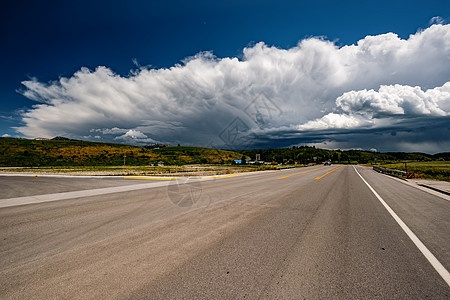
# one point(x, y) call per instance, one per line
point(394, 172)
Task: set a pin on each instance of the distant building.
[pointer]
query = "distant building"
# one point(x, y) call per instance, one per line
point(239, 161)
point(256, 162)
point(156, 146)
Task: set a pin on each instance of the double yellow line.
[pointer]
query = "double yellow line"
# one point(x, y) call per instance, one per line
point(154, 178)
point(178, 178)
point(327, 173)
point(311, 171)
point(300, 173)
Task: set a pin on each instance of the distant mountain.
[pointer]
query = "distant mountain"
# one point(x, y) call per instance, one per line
point(155, 146)
point(61, 138)
point(442, 156)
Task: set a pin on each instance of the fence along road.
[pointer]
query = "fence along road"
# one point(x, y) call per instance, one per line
point(302, 233)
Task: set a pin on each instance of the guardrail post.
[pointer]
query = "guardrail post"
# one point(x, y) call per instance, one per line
point(393, 172)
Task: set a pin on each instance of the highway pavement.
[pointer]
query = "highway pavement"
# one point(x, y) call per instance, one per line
point(321, 232)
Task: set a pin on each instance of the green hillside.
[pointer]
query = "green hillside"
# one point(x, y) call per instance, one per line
point(64, 152)
point(196, 155)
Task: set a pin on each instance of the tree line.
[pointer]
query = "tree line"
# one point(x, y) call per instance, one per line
point(306, 154)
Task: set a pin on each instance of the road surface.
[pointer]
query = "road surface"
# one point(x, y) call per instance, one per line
point(334, 232)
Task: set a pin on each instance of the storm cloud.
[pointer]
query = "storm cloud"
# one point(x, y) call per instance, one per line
point(384, 92)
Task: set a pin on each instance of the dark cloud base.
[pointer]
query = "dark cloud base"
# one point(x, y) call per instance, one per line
point(429, 135)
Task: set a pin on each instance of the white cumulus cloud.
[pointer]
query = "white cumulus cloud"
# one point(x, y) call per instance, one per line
point(315, 85)
point(437, 20)
point(335, 121)
point(370, 108)
point(134, 136)
point(397, 100)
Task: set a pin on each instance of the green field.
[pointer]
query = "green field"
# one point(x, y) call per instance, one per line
point(438, 170)
point(62, 155)
point(185, 170)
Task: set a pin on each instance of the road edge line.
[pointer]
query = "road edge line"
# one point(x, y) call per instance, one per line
point(427, 253)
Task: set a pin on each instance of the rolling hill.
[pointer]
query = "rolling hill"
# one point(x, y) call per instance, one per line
point(64, 152)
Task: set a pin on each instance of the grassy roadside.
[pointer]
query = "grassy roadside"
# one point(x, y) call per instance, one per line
point(185, 170)
point(437, 170)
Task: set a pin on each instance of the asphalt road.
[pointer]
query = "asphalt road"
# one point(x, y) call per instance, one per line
point(310, 233)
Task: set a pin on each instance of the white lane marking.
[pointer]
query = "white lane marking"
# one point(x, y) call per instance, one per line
point(56, 176)
point(102, 191)
point(77, 194)
point(427, 253)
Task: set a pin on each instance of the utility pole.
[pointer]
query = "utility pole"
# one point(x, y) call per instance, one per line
point(124, 156)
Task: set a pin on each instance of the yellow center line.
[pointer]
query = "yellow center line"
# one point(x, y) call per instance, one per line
point(219, 176)
point(177, 178)
point(158, 178)
point(327, 173)
point(300, 173)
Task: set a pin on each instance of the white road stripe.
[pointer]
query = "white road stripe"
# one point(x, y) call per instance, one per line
point(427, 253)
point(102, 191)
point(77, 194)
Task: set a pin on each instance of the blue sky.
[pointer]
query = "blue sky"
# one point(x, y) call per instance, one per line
point(48, 41)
